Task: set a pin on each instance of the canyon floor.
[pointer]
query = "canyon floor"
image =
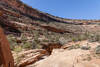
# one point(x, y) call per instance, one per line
point(72, 54)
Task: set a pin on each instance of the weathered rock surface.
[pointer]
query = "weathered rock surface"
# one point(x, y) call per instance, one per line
point(29, 11)
point(50, 46)
point(25, 58)
point(70, 58)
point(60, 56)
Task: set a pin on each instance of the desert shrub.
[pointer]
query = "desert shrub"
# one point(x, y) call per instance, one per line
point(97, 49)
point(12, 46)
point(27, 45)
point(62, 41)
point(23, 38)
point(79, 37)
point(74, 39)
point(17, 48)
point(87, 58)
point(94, 37)
point(97, 52)
point(76, 46)
point(12, 41)
point(31, 45)
point(71, 47)
point(45, 40)
point(85, 47)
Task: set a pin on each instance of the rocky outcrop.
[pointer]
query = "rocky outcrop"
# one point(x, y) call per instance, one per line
point(38, 15)
point(7, 25)
point(7, 12)
point(50, 46)
point(12, 26)
point(53, 29)
point(60, 56)
point(29, 57)
point(29, 11)
point(71, 58)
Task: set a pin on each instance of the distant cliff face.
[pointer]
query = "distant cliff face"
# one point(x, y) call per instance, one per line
point(16, 11)
point(38, 15)
point(21, 14)
point(29, 11)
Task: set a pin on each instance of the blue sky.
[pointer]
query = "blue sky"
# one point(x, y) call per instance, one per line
point(72, 9)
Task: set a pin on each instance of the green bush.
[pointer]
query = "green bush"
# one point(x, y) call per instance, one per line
point(27, 45)
point(85, 47)
point(97, 49)
point(76, 46)
point(62, 41)
point(18, 49)
point(94, 38)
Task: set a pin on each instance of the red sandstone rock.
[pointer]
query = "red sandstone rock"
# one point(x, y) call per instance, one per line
point(31, 56)
point(6, 58)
